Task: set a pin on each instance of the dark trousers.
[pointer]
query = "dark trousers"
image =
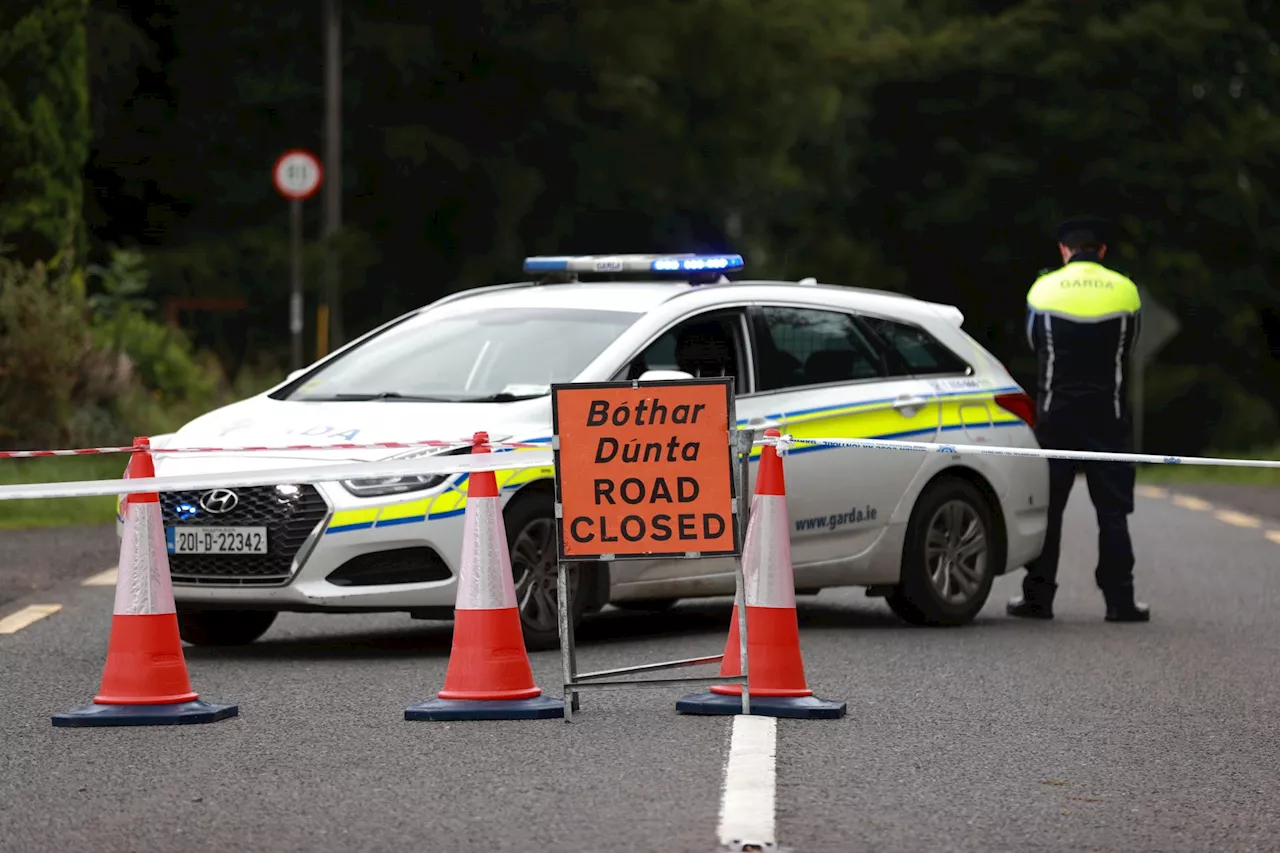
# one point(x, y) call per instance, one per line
point(1110, 490)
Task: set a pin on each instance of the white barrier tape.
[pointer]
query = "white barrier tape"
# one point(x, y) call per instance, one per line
point(781, 443)
point(287, 448)
point(1026, 452)
point(543, 458)
point(497, 461)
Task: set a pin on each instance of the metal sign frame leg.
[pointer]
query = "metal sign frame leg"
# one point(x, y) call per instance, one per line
point(574, 682)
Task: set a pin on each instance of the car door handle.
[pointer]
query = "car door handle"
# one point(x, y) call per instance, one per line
point(910, 402)
point(764, 423)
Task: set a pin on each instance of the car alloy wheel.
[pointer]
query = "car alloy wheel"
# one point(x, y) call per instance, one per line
point(956, 552)
point(533, 565)
point(948, 562)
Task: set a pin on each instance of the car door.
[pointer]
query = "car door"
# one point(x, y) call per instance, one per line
point(966, 411)
point(820, 375)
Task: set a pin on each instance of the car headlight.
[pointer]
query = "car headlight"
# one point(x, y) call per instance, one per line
point(377, 487)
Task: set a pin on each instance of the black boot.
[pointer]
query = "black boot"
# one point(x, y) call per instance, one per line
point(1024, 608)
point(1130, 611)
point(1121, 606)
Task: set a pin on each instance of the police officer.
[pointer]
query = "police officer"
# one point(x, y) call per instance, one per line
point(1083, 321)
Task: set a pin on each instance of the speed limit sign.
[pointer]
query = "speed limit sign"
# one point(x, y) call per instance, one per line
point(297, 174)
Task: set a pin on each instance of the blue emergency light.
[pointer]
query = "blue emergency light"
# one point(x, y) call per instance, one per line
point(632, 263)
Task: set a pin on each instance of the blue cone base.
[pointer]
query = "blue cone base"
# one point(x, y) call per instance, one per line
point(537, 708)
point(797, 708)
point(182, 714)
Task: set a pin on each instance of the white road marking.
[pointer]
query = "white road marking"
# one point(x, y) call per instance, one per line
point(1274, 536)
point(15, 622)
point(107, 578)
point(747, 805)
point(1151, 491)
point(1188, 502)
point(1237, 519)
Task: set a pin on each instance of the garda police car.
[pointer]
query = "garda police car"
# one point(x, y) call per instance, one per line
point(928, 532)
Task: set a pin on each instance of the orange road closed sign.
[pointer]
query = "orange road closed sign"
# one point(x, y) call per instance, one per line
point(645, 470)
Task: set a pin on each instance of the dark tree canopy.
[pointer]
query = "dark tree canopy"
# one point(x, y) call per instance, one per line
point(925, 147)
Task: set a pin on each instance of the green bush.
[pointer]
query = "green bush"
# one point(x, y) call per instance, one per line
point(163, 357)
point(91, 370)
point(47, 354)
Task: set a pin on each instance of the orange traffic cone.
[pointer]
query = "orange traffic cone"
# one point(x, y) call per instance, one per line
point(144, 682)
point(775, 666)
point(489, 677)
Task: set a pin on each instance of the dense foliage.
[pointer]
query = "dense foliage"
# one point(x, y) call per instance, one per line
point(44, 129)
point(924, 147)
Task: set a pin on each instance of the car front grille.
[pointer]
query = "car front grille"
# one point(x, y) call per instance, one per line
point(290, 520)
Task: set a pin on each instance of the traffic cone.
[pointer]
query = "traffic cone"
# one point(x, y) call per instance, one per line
point(144, 681)
point(489, 677)
point(775, 667)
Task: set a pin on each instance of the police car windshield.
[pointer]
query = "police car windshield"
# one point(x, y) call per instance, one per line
point(490, 355)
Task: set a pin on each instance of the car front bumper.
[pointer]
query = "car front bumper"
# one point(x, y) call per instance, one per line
point(361, 557)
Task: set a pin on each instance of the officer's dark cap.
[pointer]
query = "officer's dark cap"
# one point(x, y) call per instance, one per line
point(1085, 229)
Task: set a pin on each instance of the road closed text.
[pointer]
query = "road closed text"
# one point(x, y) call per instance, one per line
point(645, 471)
point(647, 521)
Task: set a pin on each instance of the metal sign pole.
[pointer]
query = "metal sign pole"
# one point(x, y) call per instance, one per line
point(745, 443)
point(295, 261)
point(568, 654)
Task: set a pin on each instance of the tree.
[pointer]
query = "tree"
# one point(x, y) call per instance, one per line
point(989, 126)
point(926, 147)
point(45, 121)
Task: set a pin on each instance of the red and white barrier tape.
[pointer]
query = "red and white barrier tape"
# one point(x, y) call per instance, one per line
point(376, 445)
point(324, 473)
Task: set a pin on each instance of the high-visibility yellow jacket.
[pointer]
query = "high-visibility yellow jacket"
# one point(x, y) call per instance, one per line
point(1083, 321)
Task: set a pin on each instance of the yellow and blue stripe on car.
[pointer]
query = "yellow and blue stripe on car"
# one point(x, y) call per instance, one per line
point(871, 419)
point(867, 419)
point(450, 503)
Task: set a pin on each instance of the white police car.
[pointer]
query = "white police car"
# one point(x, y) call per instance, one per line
point(927, 531)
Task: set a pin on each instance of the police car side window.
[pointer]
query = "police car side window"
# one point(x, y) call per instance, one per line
point(797, 347)
point(920, 352)
point(707, 345)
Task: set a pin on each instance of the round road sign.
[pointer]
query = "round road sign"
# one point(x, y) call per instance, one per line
point(297, 174)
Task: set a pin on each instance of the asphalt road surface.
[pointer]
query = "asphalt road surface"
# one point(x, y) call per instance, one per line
point(1001, 736)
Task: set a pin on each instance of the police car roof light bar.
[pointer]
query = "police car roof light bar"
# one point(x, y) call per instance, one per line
point(632, 263)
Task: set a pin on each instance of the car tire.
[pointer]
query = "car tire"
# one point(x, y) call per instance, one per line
point(947, 565)
point(531, 537)
point(648, 605)
point(223, 627)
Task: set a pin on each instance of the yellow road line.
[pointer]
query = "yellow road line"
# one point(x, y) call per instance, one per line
point(15, 622)
point(1274, 536)
point(1237, 519)
point(1188, 502)
point(107, 578)
point(1151, 491)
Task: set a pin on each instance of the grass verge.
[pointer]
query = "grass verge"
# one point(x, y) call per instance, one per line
point(59, 512)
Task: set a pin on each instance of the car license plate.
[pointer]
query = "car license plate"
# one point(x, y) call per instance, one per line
point(216, 540)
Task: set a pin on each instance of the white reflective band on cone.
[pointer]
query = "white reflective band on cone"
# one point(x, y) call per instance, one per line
point(142, 583)
point(483, 544)
point(766, 555)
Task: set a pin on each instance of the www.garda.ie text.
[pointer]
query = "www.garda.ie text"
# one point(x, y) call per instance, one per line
point(831, 522)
